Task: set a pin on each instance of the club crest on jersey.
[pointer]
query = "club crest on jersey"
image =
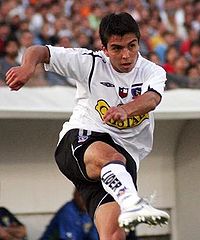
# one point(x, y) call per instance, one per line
point(136, 90)
point(123, 92)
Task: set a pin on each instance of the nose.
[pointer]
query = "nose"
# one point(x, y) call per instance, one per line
point(125, 53)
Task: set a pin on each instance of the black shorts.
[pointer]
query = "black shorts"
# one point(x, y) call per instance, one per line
point(69, 157)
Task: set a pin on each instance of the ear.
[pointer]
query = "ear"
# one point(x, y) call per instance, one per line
point(105, 51)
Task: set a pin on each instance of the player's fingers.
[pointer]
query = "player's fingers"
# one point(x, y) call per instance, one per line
point(10, 77)
point(13, 83)
point(16, 86)
point(108, 115)
point(107, 118)
point(11, 71)
point(113, 114)
point(123, 112)
point(14, 75)
point(116, 116)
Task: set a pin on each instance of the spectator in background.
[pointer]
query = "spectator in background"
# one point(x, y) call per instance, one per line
point(193, 73)
point(55, 78)
point(14, 20)
point(162, 24)
point(185, 44)
point(10, 227)
point(193, 55)
point(9, 59)
point(39, 17)
point(46, 35)
point(23, 26)
point(170, 16)
point(26, 39)
point(145, 45)
point(71, 222)
point(95, 16)
point(169, 39)
point(84, 41)
point(156, 35)
point(178, 79)
point(4, 34)
point(96, 41)
point(170, 57)
point(153, 56)
point(180, 65)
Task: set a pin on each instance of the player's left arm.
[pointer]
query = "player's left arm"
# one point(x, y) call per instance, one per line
point(151, 94)
point(140, 105)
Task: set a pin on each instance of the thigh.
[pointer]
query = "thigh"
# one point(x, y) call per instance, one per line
point(70, 152)
point(66, 160)
point(69, 156)
point(97, 155)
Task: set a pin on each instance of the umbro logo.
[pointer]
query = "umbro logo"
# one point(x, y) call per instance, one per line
point(107, 84)
point(82, 138)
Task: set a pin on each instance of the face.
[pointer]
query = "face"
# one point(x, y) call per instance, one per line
point(122, 51)
point(12, 49)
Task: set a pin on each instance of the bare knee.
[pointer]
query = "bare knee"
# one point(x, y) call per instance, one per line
point(94, 168)
point(97, 155)
point(118, 156)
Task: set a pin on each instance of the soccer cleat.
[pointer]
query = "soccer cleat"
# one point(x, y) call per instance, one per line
point(142, 212)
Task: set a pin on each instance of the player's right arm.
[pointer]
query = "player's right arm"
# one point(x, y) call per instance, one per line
point(16, 77)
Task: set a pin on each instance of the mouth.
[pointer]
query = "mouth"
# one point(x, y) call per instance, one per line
point(126, 65)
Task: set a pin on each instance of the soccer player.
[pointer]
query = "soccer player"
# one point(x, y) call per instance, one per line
point(111, 128)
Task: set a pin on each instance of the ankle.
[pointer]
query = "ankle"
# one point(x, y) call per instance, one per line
point(128, 201)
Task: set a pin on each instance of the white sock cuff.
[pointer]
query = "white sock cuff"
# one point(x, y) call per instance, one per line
point(116, 166)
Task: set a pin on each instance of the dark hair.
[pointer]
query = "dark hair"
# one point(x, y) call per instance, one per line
point(11, 39)
point(117, 24)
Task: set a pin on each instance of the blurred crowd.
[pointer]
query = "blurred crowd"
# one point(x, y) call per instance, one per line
point(170, 33)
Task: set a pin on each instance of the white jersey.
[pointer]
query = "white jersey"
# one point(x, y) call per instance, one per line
point(99, 87)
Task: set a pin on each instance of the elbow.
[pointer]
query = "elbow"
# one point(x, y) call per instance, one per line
point(154, 104)
point(155, 100)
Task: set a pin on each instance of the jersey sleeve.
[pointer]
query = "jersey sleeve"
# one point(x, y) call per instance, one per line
point(155, 80)
point(71, 62)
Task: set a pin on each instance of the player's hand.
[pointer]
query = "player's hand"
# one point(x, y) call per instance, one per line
point(115, 113)
point(16, 77)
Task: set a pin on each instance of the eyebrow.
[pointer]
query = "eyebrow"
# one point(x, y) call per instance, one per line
point(116, 45)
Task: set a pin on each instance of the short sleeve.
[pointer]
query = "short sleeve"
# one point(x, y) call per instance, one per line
point(155, 80)
point(70, 62)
